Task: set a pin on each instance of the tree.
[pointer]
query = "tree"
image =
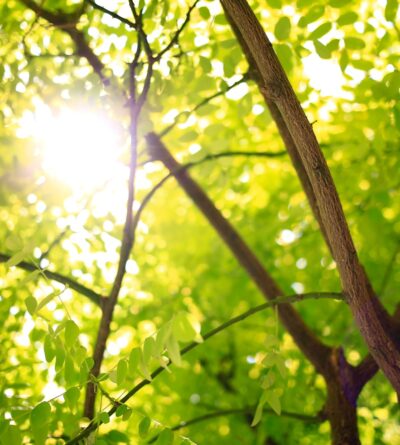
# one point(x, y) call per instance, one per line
point(111, 274)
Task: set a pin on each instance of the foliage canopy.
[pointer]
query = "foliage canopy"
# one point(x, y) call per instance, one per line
point(87, 94)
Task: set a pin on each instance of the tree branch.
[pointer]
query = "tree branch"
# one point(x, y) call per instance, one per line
point(204, 102)
point(191, 164)
point(93, 296)
point(114, 15)
point(370, 315)
point(128, 232)
point(278, 301)
point(246, 411)
point(175, 38)
point(281, 126)
point(306, 340)
point(67, 23)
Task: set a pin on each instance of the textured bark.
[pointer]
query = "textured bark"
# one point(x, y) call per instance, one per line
point(306, 340)
point(372, 319)
point(282, 128)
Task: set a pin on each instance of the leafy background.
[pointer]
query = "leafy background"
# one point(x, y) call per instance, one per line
point(178, 262)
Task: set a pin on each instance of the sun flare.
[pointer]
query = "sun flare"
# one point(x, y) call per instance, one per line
point(80, 148)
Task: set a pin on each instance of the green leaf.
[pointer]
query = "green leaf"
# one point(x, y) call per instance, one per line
point(144, 427)
point(313, 14)
point(47, 299)
point(276, 4)
point(282, 28)
point(115, 436)
point(161, 338)
point(103, 417)
point(166, 437)
point(144, 370)
point(69, 371)
point(285, 56)
point(189, 136)
point(182, 327)
point(39, 420)
point(123, 411)
point(273, 399)
point(60, 356)
point(71, 333)
point(49, 349)
point(344, 60)
point(391, 10)
point(122, 371)
point(17, 258)
point(338, 3)
point(134, 359)
point(31, 277)
point(10, 435)
point(259, 410)
point(40, 414)
point(364, 65)
point(204, 12)
point(148, 349)
point(320, 31)
point(354, 43)
point(322, 50)
point(347, 18)
point(71, 397)
point(31, 304)
point(268, 380)
point(173, 350)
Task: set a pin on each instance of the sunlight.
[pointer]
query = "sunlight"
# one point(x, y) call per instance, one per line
point(80, 148)
point(324, 75)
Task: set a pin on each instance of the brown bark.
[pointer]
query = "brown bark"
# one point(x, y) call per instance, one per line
point(307, 341)
point(372, 319)
point(340, 407)
point(282, 128)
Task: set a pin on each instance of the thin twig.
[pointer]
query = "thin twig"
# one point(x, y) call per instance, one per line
point(67, 23)
point(204, 102)
point(175, 38)
point(191, 164)
point(72, 284)
point(247, 411)
point(93, 425)
point(128, 232)
point(114, 15)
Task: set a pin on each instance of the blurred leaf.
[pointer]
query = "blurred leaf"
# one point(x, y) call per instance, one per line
point(282, 28)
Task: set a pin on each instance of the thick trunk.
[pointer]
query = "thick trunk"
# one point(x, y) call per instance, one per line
point(342, 417)
point(370, 316)
point(340, 407)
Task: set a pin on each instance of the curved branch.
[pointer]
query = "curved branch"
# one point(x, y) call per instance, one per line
point(67, 23)
point(175, 38)
point(204, 102)
point(93, 425)
point(247, 411)
point(207, 158)
point(72, 284)
point(114, 15)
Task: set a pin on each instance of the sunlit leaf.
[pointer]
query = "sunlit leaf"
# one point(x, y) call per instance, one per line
point(282, 28)
point(71, 333)
point(144, 426)
point(166, 437)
